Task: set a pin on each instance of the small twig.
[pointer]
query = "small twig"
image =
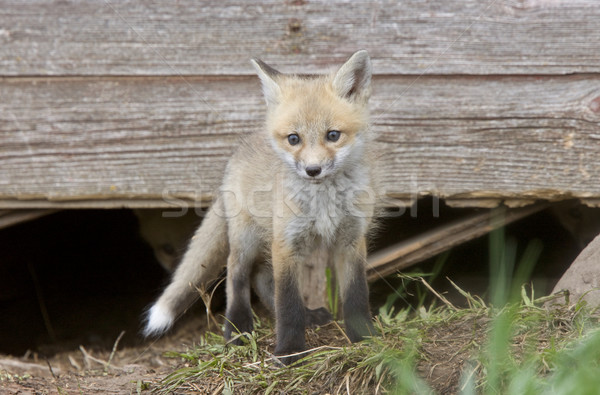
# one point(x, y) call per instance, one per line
point(339, 389)
point(342, 332)
point(276, 357)
point(275, 360)
point(114, 349)
point(42, 302)
point(74, 363)
point(378, 386)
point(446, 301)
point(468, 378)
point(219, 388)
point(563, 293)
point(207, 300)
point(348, 383)
point(470, 299)
point(50, 368)
point(90, 358)
point(86, 360)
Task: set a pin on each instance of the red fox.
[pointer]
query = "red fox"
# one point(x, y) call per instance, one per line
point(306, 181)
point(168, 236)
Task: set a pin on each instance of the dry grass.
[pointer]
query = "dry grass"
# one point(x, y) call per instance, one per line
point(439, 350)
point(515, 345)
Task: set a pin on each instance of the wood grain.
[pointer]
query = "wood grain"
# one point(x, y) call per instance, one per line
point(141, 142)
point(188, 37)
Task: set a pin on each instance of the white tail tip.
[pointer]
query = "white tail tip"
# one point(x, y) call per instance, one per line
point(159, 320)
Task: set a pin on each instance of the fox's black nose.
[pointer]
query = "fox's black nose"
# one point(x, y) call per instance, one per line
point(313, 171)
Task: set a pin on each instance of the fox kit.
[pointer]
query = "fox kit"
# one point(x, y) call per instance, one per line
point(168, 236)
point(304, 182)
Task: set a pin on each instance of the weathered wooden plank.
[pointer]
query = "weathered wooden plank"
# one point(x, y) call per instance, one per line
point(409, 252)
point(13, 217)
point(124, 141)
point(152, 37)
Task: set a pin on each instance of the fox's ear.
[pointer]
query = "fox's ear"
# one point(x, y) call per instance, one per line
point(267, 76)
point(353, 79)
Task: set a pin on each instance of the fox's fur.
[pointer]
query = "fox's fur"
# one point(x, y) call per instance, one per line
point(283, 197)
point(168, 236)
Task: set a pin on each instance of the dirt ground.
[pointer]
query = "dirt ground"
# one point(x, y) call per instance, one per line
point(88, 371)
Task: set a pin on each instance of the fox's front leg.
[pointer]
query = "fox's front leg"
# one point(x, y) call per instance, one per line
point(289, 307)
point(350, 263)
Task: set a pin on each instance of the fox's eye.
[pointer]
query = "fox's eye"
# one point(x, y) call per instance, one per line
point(333, 135)
point(293, 139)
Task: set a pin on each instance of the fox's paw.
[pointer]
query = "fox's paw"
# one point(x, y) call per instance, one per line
point(236, 325)
point(359, 329)
point(317, 317)
point(291, 345)
point(288, 356)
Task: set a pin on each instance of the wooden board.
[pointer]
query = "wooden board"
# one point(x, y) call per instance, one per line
point(411, 251)
point(142, 142)
point(188, 37)
point(13, 217)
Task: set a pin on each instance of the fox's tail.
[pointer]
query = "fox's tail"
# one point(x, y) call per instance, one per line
point(203, 261)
